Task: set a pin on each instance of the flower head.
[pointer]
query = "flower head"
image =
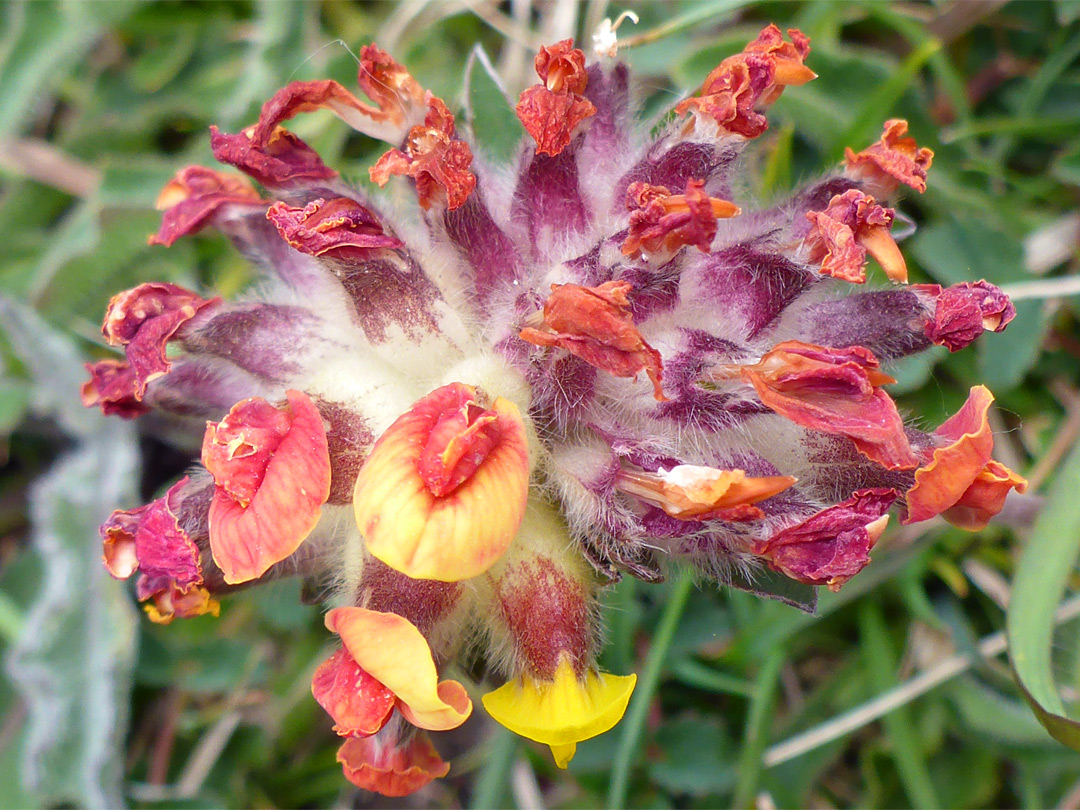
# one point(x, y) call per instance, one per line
point(452, 426)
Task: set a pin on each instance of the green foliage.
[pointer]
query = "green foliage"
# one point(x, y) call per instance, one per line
point(220, 710)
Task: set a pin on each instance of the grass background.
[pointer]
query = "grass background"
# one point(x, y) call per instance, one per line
point(101, 102)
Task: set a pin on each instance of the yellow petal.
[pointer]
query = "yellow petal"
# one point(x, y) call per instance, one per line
point(391, 650)
point(562, 754)
point(564, 711)
point(457, 534)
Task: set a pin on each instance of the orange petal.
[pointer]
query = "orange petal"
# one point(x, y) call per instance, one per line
point(271, 468)
point(891, 161)
point(955, 466)
point(985, 497)
point(689, 492)
point(390, 649)
point(434, 158)
point(662, 223)
point(834, 391)
point(444, 489)
point(389, 767)
point(595, 324)
point(172, 602)
point(850, 227)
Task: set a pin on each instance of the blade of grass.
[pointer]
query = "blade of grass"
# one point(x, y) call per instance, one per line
point(867, 123)
point(853, 720)
point(494, 777)
point(881, 666)
point(756, 736)
point(694, 673)
point(633, 725)
point(1038, 587)
point(698, 14)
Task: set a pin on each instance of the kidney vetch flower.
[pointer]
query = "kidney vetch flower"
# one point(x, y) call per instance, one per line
point(597, 362)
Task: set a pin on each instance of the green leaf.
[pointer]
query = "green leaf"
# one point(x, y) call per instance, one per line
point(899, 725)
point(73, 662)
point(696, 757)
point(1040, 581)
point(489, 110)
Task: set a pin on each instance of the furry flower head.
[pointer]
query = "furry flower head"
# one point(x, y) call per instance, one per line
point(596, 363)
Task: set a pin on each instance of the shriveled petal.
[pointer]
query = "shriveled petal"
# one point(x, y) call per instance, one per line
point(389, 767)
point(444, 489)
point(282, 161)
point(662, 223)
point(561, 67)
point(552, 119)
point(271, 469)
point(834, 545)
point(359, 704)
point(112, 387)
point(891, 161)
point(151, 539)
point(434, 158)
point(563, 711)
point(341, 228)
point(390, 649)
point(398, 99)
point(834, 391)
point(144, 319)
point(964, 311)
point(960, 472)
point(850, 227)
point(690, 492)
point(195, 197)
point(170, 602)
point(755, 78)
point(985, 497)
point(595, 324)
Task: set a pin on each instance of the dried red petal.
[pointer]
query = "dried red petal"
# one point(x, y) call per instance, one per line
point(271, 472)
point(283, 161)
point(552, 118)
point(595, 324)
point(834, 545)
point(143, 320)
point(662, 223)
point(552, 110)
point(342, 228)
point(738, 86)
point(112, 386)
point(852, 226)
point(434, 158)
point(964, 311)
point(398, 99)
point(151, 540)
point(194, 197)
point(386, 765)
point(834, 391)
point(891, 161)
point(960, 481)
point(359, 704)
